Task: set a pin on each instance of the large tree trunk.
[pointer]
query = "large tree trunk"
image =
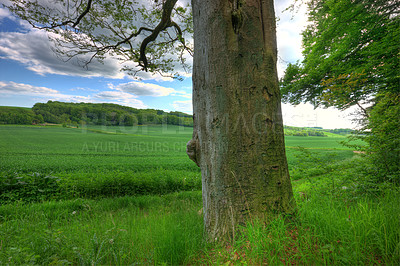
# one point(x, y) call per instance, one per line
point(238, 139)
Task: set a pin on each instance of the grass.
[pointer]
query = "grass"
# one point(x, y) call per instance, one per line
point(327, 230)
point(118, 196)
point(119, 231)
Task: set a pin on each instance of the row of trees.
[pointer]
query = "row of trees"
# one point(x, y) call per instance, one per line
point(91, 113)
point(303, 131)
point(342, 131)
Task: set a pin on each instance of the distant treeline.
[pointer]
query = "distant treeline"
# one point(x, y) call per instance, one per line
point(341, 131)
point(303, 131)
point(315, 131)
point(19, 115)
point(76, 114)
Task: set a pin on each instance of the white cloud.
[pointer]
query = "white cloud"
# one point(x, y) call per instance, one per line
point(83, 89)
point(40, 93)
point(183, 106)
point(43, 94)
point(113, 95)
point(70, 98)
point(34, 50)
point(304, 115)
point(183, 94)
point(138, 88)
point(4, 13)
point(25, 89)
point(143, 89)
point(289, 28)
point(120, 97)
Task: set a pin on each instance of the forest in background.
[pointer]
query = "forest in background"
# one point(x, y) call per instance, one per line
point(107, 114)
point(78, 114)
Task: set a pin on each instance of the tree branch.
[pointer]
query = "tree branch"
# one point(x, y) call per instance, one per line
point(89, 5)
point(164, 23)
point(75, 27)
point(65, 23)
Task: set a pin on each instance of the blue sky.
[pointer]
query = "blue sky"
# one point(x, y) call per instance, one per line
point(30, 72)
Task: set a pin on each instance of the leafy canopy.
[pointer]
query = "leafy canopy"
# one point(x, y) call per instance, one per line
point(351, 53)
point(383, 136)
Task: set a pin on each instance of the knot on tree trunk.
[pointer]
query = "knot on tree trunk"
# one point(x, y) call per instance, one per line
point(193, 149)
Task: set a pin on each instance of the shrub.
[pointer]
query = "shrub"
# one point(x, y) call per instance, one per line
point(382, 133)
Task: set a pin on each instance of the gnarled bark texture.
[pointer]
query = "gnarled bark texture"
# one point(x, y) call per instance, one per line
point(238, 139)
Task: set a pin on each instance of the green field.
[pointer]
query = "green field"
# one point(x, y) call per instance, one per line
point(102, 161)
point(98, 161)
point(114, 195)
point(57, 149)
point(101, 149)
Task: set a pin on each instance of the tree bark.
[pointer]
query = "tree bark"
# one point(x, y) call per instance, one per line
point(238, 139)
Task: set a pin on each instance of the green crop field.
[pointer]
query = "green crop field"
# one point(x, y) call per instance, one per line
point(129, 195)
point(101, 161)
point(57, 149)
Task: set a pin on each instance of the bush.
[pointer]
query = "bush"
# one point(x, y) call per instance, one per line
point(382, 133)
point(38, 187)
point(28, 187)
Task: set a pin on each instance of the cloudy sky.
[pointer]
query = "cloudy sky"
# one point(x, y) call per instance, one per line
point(30, 72)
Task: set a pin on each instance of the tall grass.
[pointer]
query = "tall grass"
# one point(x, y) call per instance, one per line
point(326, 230)
point(120, 231)
point(364, 231)
point(329, 228)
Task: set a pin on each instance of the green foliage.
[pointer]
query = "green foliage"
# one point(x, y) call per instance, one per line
point(107, 114)
point(75, 114)
point(382, 133)
point(298, 131)
point(28, 187)
point(309, 164)
point(364, 232)
point(328, 230)
point(101, 161)
point(351, 56)
point(18, 115)
point(351, 52)
point(342, 131)
point(38, 187)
